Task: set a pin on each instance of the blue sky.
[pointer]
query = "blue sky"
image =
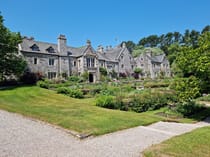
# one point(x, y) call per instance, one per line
point(104, 22)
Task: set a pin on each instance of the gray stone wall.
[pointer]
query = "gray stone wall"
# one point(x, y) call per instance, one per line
point(125, 63)
point(42, 65)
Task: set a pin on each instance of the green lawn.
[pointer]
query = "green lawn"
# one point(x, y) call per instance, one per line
point(193, 144)
point(80, 115)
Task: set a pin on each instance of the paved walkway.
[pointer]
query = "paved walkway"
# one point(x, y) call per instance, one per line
point(23, 137)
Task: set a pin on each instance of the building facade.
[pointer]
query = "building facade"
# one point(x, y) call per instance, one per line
point(53, 60)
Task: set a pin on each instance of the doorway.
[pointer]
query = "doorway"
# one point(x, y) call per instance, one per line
point(91, 78)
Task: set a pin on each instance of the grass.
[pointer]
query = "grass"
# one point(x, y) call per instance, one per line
point(80, 115)
point(193, 144)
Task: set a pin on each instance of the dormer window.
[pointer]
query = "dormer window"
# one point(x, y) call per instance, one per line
point(50, 50)
point(69, 53)
point(34, 47)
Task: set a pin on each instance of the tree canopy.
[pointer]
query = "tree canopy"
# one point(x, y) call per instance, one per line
point(196, 61)
point(11, 64)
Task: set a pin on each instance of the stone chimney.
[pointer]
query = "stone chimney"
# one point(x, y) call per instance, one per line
point(100, 49)
point(88, 43)
point(123, 45)
point(149, 53)
point(62, 44)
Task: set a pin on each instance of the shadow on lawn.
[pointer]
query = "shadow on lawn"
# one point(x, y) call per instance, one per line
point(203, 115)
point(12, 87)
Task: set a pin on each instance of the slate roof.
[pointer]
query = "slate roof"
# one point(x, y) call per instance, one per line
point(158, 58)
point(111, 55)
point(44, 46)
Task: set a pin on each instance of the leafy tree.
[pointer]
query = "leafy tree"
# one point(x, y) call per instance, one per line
point(150, 41)
point(187, 88)
point(196, 61)
point(206, 29)
point(11, 64)
point(173, 51)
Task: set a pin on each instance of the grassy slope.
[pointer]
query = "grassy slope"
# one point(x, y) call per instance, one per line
point(79, 115)
point(193, 144)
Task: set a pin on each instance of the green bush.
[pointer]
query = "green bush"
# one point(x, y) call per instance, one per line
point(63, 90)
point(186, 88)
point(105, 101)
point(156, 84)
point(43, 84)
point(74, 93)
point(188, 108)
point(103, 71)
point(149, 101)
point(74, 78)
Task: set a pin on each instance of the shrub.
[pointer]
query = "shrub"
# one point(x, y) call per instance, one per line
point(74, 93)
point(138, 70)
point(105, 101)
point(63, 90)
point(148, 101)
point(188, 108)
point(122, 75)
point(103, 71)
point(31, 78)
point(74, 78)
point(43, 84)
point(186, 88)
point(156, 84)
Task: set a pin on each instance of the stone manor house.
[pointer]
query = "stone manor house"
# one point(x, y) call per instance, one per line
point(53, 60)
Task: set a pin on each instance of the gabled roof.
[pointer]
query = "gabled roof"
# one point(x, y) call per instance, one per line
point(158, 58)
point(113, 54)
point(44, 47)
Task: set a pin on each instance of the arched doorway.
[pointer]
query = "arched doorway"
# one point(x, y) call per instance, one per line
point(91, 79)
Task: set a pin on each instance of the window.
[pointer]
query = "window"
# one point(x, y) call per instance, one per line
point(142, 65)
point(51, 75)
point(75, 63)
point(92, 62)
point(34, 47)
point(122, 57)
point(50, 50)
point(51, 61)
point(79, 63)
point(142, 59)
point(88, 62)
point(35, 61)
point(132, 66)
point(122, 66)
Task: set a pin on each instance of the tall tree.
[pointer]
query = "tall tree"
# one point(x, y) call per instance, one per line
point(150, 41)
point(11, 64)
point(195, 61)
point(206, 29)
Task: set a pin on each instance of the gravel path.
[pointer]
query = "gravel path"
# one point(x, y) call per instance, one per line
point(24, 137)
